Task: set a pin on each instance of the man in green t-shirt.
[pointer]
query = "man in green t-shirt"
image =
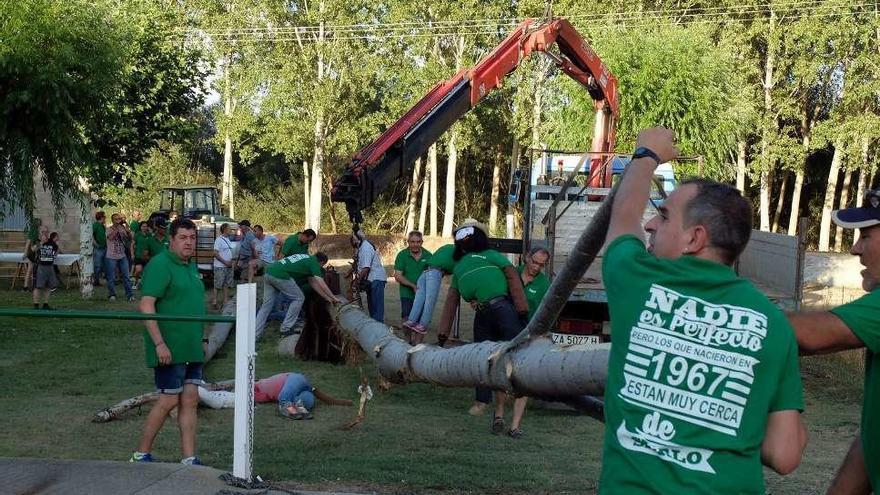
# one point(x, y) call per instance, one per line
point(535, 281)
point(703, 384)
point(298, 243)
point(159, 241)
point(174, 349)
point(285, 276)
point(99, 241)
point(408, 267)
point(855, 325)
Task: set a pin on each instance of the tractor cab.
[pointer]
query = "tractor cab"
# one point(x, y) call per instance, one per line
point(193, 202)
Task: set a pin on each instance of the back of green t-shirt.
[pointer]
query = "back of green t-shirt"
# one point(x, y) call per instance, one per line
point(699, 359)
point(99, 233)
point(442, 258)
point(862, 316)
point(480, 277)
point(296, 266)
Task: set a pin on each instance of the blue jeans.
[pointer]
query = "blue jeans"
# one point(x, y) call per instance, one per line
point(171, 378)
point(426, 297)
point(297, 390)
point(98, 262)
point(110, 266)
point(273, 286)
point(495, 322)
point(376, 300)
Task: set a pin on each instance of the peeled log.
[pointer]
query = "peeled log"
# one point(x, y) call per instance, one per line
point(537, 368)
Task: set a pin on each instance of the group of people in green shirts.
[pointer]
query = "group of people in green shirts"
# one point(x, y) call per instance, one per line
point(504, 297)
point(131, 246)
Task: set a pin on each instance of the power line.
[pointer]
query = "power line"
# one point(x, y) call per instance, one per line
point(499, 22)
point(286, 37)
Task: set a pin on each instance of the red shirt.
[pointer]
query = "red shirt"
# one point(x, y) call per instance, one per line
point(268, 389)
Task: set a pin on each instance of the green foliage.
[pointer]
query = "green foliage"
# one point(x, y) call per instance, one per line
point(277, 208)
point(88, 89)
point(166, 165)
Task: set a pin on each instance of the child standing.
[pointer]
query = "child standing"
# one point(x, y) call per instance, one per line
point(46, 280)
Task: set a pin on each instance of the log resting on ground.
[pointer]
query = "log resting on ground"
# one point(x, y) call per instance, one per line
point(537, 368)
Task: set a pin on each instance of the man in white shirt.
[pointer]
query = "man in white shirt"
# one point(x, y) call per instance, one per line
point(264, 248)
point(372, 272)
point(223, 270)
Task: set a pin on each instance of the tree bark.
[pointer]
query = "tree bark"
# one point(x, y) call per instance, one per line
point(537, 369)
point(866, 172)
point(451, 164)
point(86, 251)
point(795, 202)
point(493, 197)
point(780, 201)
point(830, 192)
point(768, 121)
point(432, 168)
point(844, 200)
point(319, 145)
point(306, 193)
point(741, 166)
point(413, 197)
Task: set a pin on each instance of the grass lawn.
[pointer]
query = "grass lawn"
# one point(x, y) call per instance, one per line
point(416, 438)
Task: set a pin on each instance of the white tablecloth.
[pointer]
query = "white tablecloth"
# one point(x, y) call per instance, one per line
point(60, 260)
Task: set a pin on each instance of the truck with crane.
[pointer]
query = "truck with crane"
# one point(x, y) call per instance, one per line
point(555, 214)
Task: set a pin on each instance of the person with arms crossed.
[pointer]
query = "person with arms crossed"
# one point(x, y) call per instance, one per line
point(703, 382)
point(854, 325)
point(174, 349)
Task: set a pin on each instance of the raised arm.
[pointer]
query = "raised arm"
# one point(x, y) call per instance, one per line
point(635, 186)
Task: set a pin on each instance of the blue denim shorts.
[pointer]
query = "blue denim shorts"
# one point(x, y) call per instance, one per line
point(171, 378)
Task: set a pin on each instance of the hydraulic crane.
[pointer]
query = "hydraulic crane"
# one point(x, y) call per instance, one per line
point(393, 154)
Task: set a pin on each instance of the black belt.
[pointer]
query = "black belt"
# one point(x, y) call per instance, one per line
point(491, 302)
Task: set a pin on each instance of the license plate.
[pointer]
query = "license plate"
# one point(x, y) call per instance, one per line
point(568, 339)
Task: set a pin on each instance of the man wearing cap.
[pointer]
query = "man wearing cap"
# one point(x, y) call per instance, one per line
point(855, 325)
point(246, 240)
point(703, 384)
point(298, 243)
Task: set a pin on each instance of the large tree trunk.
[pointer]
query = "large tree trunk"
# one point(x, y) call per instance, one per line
point(432, 169)
point(306, 193)
point(844, 199)
point(830, 192)
point(319, 145)
point(741, 166)
point(413, 197)
point(780, 201)
point(795, 201)
point(226, 195)
point(537, 369)
point(86, 250)
point(451, 164)
point(493, 197)
point(766, 162)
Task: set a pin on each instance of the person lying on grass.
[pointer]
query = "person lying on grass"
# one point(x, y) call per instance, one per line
point(293, 392)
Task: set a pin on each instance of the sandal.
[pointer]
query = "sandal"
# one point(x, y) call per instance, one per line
point(515, 433)
point(497, 425)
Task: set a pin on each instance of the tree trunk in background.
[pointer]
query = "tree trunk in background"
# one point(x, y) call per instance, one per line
point(318, 154)
point(765, 163)
point(331, 207)
point(741, 166)
point(413, 197)
point(226, 194)
point(806, 131)
point(423, 209)
point(493, 198)
point(86, 251)
point(830, 192)
point(866, 172)
point(511, 207)
point(795, 202)
point(449, 210)
point(432, 170)
point(844, 199)
point(781, 200)
point(306, 193)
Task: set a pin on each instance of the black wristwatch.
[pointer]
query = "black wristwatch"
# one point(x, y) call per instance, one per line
point(642, 152)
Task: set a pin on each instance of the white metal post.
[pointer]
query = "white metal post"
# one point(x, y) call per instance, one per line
point(245, 326)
